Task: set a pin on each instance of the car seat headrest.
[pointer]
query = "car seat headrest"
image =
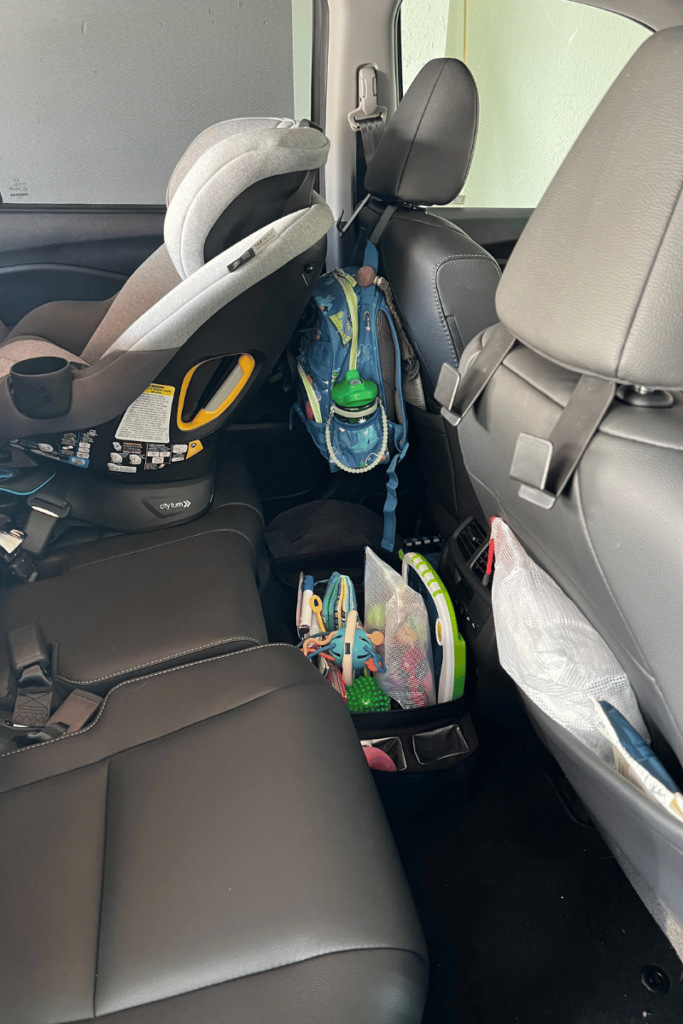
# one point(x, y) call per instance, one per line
point(595, 281)
point(236, 177)
point(425, 153)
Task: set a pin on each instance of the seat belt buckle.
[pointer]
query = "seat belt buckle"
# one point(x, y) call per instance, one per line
point(530, 467)
point(46, 511)
point(75, 712)
point(19, 562)
point(29, 658)
point(32, 708)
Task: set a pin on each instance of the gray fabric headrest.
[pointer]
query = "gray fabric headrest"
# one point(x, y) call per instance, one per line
point(219, 165)
point(595, 282)
point(426, 150)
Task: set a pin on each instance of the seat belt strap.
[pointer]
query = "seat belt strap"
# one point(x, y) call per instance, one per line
point(381, 224)
point(544, 466)
point(456, 393)
point(371, 131)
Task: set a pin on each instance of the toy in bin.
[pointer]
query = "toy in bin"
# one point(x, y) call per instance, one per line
point(399, 612)
point(448, 646)
point(350, 647)
point(365, 694)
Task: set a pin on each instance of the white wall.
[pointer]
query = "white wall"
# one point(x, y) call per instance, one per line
point(541, 67)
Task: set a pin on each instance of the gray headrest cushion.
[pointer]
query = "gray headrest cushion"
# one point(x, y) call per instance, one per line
point(595, 282)
point(426, 150)
point(220, 164)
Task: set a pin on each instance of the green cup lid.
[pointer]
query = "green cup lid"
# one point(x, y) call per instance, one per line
point(353, 392)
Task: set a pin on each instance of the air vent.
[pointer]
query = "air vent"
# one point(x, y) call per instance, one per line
point(470, 539)
point(479, 566)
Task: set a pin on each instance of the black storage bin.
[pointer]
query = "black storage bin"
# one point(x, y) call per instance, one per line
point(435, 750)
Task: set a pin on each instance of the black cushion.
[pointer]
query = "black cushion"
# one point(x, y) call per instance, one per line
point(130, 605)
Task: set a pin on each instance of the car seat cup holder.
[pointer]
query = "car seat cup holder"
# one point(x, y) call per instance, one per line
point(41, 386)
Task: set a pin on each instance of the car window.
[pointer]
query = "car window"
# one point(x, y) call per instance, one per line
point(100, 99)
point(541, 66)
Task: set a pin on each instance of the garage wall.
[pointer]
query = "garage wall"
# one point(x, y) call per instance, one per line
point(100, 99)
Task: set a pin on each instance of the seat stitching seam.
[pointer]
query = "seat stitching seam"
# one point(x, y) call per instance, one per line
point(165, 544)
point(127, 682)
point(155, 661)
point(442, 316)
point(282, 967)
point(104, 856)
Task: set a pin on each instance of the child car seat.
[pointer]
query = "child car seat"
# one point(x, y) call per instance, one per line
point(199, 325)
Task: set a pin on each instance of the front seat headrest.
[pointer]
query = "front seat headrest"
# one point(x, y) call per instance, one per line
point(425, 153)
point(220, 165)
point(595, 281)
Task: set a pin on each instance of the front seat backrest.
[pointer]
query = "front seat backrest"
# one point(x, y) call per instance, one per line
point(594, 289)
point(444, 283)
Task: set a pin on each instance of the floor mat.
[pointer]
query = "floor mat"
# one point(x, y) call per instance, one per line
point(527, 915)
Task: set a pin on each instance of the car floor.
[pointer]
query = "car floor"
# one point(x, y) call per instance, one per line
point(528, 917)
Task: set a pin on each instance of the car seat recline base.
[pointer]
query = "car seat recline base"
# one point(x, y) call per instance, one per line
point(193, 333)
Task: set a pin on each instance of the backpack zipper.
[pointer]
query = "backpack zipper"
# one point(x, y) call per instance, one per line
point(347, 285)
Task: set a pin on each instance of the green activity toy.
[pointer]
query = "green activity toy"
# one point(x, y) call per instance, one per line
point(364, 694)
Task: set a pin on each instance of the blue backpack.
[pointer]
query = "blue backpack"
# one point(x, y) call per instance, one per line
point(354, 330)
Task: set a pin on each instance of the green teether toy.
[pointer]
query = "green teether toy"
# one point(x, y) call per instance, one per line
point(364, 694)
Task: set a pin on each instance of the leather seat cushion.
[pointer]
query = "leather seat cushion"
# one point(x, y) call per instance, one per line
point(211, 849)
point(129, 605)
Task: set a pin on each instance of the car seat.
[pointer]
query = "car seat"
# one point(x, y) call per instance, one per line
point(444, 283)
point(577, 438)
point(202, 321)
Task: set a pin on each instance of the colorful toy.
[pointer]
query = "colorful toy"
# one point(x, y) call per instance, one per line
point(317, 608)
point(365, 694)
point(350, 647)
point(339, 600)
point(378, 759)
point(448, 646)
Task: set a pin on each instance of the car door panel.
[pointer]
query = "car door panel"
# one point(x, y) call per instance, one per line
point(63, 252)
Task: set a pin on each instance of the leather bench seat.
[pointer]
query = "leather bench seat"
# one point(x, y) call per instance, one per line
point(210, 849)
point(134, 603)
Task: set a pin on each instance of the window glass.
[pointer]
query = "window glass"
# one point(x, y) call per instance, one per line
point(541, 67)
point(101, 97)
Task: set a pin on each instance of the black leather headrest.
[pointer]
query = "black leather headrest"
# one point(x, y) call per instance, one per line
point(426, 150)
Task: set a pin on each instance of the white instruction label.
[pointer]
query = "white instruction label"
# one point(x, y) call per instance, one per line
point(148, 418)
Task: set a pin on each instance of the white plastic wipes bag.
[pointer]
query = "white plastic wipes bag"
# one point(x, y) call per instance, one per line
point(400, 613)
point(551, 650)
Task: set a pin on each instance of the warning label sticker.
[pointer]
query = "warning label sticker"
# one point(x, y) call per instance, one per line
point(73, 448)
point(149, 417)
point(130, 456)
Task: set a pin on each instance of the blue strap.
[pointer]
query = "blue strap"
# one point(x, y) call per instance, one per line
point(371, 256)
point(390, 504)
